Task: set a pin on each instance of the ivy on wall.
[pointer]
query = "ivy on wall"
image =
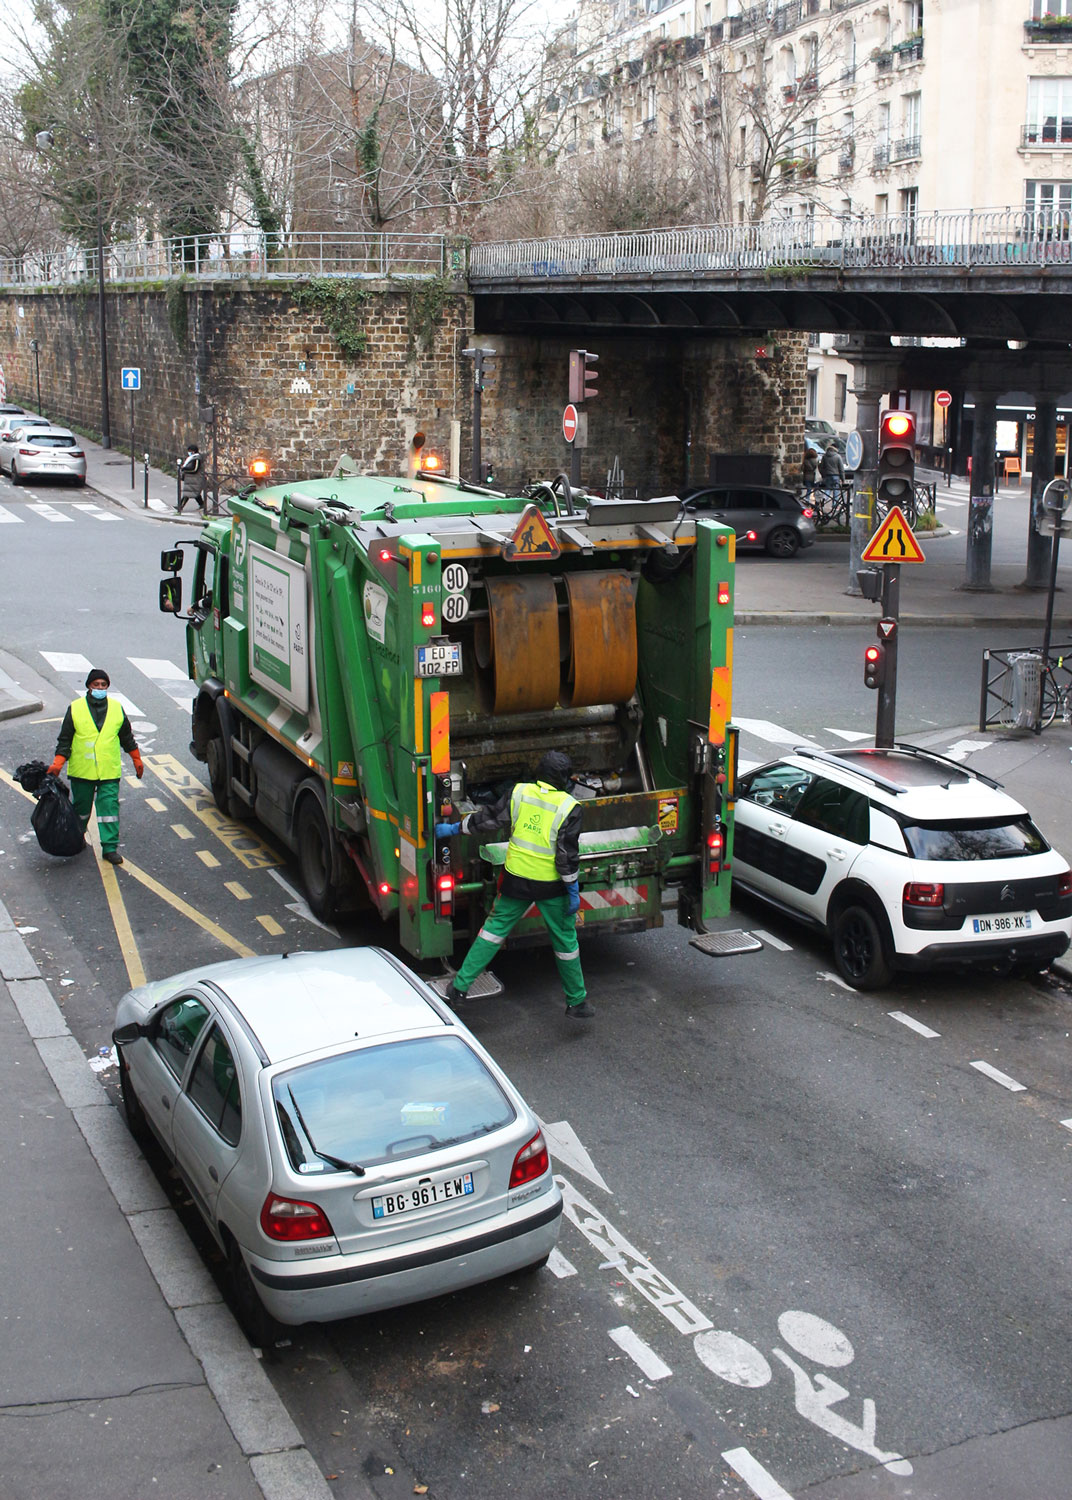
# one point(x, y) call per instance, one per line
point(425, 304)
point(341, 306)
point(178, 312)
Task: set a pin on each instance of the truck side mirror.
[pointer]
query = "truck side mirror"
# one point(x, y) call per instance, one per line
point(171, 560)
point(171, 595)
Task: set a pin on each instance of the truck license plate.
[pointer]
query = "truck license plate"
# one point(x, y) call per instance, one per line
point(1014, 921)
point(440, 659)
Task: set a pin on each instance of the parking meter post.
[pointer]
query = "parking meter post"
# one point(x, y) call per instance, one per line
point(575, 466)
point(886, 709)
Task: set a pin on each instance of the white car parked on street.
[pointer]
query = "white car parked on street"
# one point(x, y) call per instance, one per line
point(907, 860)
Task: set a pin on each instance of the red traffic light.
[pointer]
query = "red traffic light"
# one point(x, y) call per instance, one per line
point(874, 666)
point(898, 430)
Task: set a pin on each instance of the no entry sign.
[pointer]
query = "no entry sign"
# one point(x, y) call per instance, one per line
point(943, 398)
point(569, 423)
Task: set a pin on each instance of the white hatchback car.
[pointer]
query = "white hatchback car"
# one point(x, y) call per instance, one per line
point(348, 1141)
point(907, 860)
point(45, 453)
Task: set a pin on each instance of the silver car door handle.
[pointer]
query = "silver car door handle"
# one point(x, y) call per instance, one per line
point(214, 1174)
point(165, 1101)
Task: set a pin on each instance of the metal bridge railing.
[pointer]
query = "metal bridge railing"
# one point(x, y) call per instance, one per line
point(997, 237)
point(239, 255)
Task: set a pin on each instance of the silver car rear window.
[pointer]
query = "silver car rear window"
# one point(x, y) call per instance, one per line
point(1002, 839)
point(385, 1103)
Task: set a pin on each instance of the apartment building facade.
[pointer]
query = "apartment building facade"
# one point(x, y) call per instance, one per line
point(830, 107)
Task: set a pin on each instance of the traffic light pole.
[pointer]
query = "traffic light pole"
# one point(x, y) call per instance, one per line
point(886, 709)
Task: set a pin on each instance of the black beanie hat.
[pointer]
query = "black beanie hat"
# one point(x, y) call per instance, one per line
point(95, 672)
point(556, 768)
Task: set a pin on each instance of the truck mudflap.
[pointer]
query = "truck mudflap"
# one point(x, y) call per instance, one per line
point(620, 879)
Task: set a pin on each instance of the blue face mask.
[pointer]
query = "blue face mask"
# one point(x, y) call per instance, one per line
point(99, 694)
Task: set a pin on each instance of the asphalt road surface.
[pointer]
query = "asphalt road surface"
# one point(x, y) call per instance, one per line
point(811, 1247)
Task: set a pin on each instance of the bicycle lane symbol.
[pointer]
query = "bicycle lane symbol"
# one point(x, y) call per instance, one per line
point(733, 1359)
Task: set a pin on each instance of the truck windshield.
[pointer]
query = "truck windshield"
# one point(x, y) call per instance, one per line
point(387, 1102)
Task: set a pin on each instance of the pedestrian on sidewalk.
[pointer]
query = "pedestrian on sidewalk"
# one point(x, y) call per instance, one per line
point(542, 866)
point(809, 471)
point(94, 730)
point(832, 468)
point(192, 478)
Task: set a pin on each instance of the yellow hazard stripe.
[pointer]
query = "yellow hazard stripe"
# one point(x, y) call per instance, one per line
point(439, 720)
point(418, 716)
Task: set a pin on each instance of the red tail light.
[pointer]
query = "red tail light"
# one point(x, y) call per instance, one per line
point(291, 1219)
point(75, 453)
point(807, 513)
point(1064, 884)
point(530, 1162)
point(751, 536)
point(428, 614)
point(28, 452)
point(716, 843)
point(922, 893)
point(444, 884)
point(723, 593)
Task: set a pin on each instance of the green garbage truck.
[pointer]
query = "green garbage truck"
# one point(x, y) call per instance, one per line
point(374, 655)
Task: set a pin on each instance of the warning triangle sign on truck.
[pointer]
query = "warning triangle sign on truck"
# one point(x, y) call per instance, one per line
point(893, 542)
point(532, 539)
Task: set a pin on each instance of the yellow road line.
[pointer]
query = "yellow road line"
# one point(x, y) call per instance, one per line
point(117, 908)
point(239, 839)
point(271, 926)
point(182, 831)
point(156, 804)
point(208, 859)
point(238, 890)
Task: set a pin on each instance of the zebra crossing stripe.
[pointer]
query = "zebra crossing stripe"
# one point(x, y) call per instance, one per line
point(8, 518)
point(168, 677)
point(96, 512)
point(49, 513)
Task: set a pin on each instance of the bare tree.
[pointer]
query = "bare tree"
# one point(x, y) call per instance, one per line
point(637, 186)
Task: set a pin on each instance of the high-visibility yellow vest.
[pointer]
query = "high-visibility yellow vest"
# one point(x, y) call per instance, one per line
point(537, 813)
point(95, 753)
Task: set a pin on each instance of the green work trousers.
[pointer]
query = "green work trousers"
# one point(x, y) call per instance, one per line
point(500, 923)
point(107, 795)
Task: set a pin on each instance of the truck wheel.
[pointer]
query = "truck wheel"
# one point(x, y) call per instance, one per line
point(218, 779)
point(315, 860)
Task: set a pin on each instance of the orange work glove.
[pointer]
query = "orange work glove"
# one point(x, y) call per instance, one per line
point(57, 765)
point(139, 764)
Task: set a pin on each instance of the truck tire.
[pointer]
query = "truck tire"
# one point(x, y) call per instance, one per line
point(219, 771)
point(316, 859)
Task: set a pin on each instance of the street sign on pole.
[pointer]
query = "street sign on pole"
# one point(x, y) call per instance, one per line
point(131, 376)
point(854, 451)
point(943, 398)
point(569, 423)
point(893, 542)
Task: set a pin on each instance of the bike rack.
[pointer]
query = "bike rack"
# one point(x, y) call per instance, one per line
point(1018, 692)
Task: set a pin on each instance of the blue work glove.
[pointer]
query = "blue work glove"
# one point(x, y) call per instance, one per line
point(573, 897)
point(447, 830)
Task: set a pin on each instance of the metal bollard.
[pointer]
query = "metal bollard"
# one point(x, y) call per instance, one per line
point(145, 500)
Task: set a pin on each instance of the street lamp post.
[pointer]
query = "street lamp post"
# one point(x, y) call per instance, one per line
point(45, 140)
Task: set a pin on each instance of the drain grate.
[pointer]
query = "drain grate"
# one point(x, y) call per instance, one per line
point(724, 944)
point(484, 987)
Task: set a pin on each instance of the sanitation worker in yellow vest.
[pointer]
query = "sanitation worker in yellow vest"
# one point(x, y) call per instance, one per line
point(94, 730)
point(542, 864)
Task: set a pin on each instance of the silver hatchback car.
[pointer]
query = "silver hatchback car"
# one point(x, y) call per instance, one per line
point(348, 1141)
point(46, 453)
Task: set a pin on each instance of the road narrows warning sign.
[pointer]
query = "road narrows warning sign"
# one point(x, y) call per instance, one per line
point(893, 542)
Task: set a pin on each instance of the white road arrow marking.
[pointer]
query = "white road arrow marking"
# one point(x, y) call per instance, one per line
point(566, 1148)
point(300, 907)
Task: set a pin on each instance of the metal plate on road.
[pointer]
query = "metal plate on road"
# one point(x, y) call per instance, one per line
point(725, 944)
point(484, 987)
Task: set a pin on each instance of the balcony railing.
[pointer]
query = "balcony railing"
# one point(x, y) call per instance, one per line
point(1059, 29)
point(909, 52)
point(845, 163)
point(883, 62)
point(880, 158)
point(1054, 133)
point(905, 150)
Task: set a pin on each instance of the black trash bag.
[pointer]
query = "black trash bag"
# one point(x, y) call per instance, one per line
point(30, 775)
point(57, 825)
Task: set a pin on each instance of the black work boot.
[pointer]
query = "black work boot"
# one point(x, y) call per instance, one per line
point(581, 1012)
point(456, 998)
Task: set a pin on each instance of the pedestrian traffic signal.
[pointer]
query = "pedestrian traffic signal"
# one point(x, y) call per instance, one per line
point(582, 375)
point(896, 460)
point(875, 666)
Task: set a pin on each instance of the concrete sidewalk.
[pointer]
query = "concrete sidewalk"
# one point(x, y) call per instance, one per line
point(125, 1372)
